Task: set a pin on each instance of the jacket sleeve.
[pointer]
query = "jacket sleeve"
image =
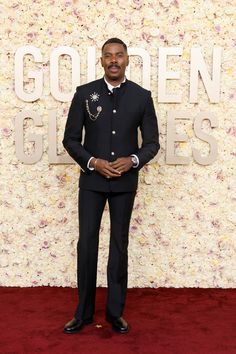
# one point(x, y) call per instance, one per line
point(73, 132)
point(150, 134)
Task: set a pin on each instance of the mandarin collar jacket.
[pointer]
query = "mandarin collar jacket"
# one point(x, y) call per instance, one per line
point(111, 123)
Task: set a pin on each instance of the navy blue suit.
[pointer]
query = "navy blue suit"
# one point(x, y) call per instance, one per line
point(111, 123)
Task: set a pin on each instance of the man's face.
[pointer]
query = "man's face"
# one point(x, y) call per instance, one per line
point(114, 61)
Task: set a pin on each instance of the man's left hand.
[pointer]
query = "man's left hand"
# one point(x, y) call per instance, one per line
point(122, 164)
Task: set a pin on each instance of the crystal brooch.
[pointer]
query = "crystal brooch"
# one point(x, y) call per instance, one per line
point(94, 97)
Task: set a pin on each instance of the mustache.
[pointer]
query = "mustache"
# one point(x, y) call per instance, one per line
point(114, 66)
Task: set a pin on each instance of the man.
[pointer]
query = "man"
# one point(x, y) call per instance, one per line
point(111, 110)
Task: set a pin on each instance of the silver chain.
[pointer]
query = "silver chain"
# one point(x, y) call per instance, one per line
point(93, 116)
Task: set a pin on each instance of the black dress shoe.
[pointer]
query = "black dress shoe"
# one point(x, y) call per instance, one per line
point(118, 324)
point(76, 325)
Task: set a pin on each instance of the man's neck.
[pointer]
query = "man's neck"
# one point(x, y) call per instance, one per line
point(115, 83)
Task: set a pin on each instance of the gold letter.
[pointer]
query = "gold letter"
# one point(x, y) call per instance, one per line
point(19, 138)
point(171, 158)
point(205, 160)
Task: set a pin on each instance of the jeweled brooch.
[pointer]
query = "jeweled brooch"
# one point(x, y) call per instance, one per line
point(94, 97)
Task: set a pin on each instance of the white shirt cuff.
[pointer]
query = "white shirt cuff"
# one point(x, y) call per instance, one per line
point(89, 167)
point(136, 165)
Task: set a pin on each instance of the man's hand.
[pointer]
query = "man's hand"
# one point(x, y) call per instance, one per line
point(104, 168)
point(122, 164)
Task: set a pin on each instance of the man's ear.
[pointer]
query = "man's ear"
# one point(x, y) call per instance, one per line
point(128, 60)
point(101, 61)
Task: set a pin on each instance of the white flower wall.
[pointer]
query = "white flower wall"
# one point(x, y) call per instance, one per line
point(183, 227)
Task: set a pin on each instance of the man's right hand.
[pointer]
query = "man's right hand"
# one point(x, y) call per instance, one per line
point(104, 168)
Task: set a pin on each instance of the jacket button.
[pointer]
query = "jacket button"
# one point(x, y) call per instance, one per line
point(113, 131)
point(112, 153)
point(114, 111)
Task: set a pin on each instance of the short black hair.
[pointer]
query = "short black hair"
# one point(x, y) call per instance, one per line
point(115, 40)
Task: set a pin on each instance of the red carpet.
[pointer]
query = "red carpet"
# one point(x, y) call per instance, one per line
point(162, 321)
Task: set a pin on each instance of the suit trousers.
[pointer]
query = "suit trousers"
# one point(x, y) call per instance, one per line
point(91, 207)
